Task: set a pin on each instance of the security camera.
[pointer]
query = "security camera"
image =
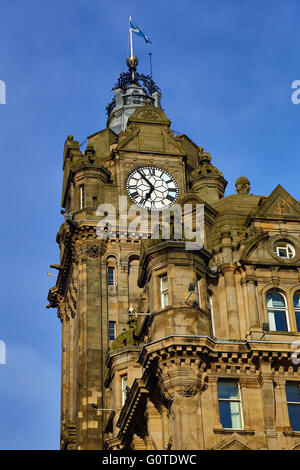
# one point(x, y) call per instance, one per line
point(131, 310)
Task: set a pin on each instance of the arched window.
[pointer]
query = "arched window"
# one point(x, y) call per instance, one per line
point(297, 308)
point(277, 311)
point(111, 271)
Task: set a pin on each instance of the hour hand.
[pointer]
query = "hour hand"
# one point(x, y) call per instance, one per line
point(150, 192)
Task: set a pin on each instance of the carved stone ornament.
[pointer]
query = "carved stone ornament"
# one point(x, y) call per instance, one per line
point(189, 391)
point(94, 251)
point(149, 115)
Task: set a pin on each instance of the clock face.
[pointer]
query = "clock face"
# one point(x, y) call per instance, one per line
point(152, 188)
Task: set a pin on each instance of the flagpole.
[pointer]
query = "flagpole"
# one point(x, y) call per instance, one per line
point(131, 45)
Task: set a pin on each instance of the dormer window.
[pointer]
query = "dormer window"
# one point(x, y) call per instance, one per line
point(285, 250)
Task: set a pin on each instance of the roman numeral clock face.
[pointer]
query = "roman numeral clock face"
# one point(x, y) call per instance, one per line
point(152, 188)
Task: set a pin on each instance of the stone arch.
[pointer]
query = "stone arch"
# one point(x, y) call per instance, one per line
point(111, 257)
point(252, 245)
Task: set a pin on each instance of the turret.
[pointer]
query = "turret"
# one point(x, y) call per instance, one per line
point(132, 90)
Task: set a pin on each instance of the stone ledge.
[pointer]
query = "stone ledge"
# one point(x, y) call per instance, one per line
point(245, 432)
point(291, 433)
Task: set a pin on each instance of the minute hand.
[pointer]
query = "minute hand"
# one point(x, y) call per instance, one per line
point(147, 181)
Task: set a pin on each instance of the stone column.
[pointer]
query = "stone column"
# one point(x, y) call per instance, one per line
point(268, 400)
point(253, 307)
point(231, 301)
point(187, 423)
point(181, 382)
point(282, 412)
point(228, 269)
point(92, 344)
point(154, 425)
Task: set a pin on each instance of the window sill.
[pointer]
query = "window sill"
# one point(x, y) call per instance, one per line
point(244, 432)
point(290, 333)
point(291, 433)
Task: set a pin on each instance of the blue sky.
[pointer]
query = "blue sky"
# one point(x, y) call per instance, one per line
point(225, 70)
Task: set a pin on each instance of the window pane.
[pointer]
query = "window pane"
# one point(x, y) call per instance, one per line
point(225, 414)
point(124, 391)
point(292, 392)
point(282, 252)
point(228, 389)
point(294, 414)
point(280, 320)
point(112, 330)
point(274, 299)
point(290, 251)
point(230, 414)
point(297, 300)
point(298, 320)
point(272, 324)
point(199, 293)
point(235, 415)
point(111, 276)
point(165, 300)
point(124, 382)
point(164, 283)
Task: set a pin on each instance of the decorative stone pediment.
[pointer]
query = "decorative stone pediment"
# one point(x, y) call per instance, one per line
point(231, 443)
point(148, 130)
point(150, 114)
point(280, 204)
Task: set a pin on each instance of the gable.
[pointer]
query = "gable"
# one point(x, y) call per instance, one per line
point(148, 130)
point(280, 204)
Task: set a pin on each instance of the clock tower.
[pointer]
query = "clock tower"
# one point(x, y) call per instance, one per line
point(168, 344)
point(136, 157)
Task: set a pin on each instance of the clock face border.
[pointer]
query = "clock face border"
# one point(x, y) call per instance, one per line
point(163, 172)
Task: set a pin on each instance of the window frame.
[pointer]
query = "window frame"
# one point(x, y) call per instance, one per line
point(111, 269)
point(164, 291)
point(123, 389)
point(82, 196)
point(211, 311)
point(274, 309)
point(296, 309)
point(199, 292)
point(237, 400)
point(114, 324)
point(292, 402)
point(288, 247)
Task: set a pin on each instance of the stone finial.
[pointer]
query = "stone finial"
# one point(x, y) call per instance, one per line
point(242, 185)
point(90, 152)
point(204, 157)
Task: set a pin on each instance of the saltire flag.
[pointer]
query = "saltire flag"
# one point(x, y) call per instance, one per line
point(135, 29)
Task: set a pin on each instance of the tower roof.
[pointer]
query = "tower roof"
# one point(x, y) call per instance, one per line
point(131, 91)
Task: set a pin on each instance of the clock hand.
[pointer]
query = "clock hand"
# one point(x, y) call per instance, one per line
point(147, 181)
point(150, 192)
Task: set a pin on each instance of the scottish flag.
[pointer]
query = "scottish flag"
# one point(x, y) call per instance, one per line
point(135, 29)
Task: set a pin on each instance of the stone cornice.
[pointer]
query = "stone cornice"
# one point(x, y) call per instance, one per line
point(161, 246)
point(78, 241)
point(239, 352)
point(137, 393)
